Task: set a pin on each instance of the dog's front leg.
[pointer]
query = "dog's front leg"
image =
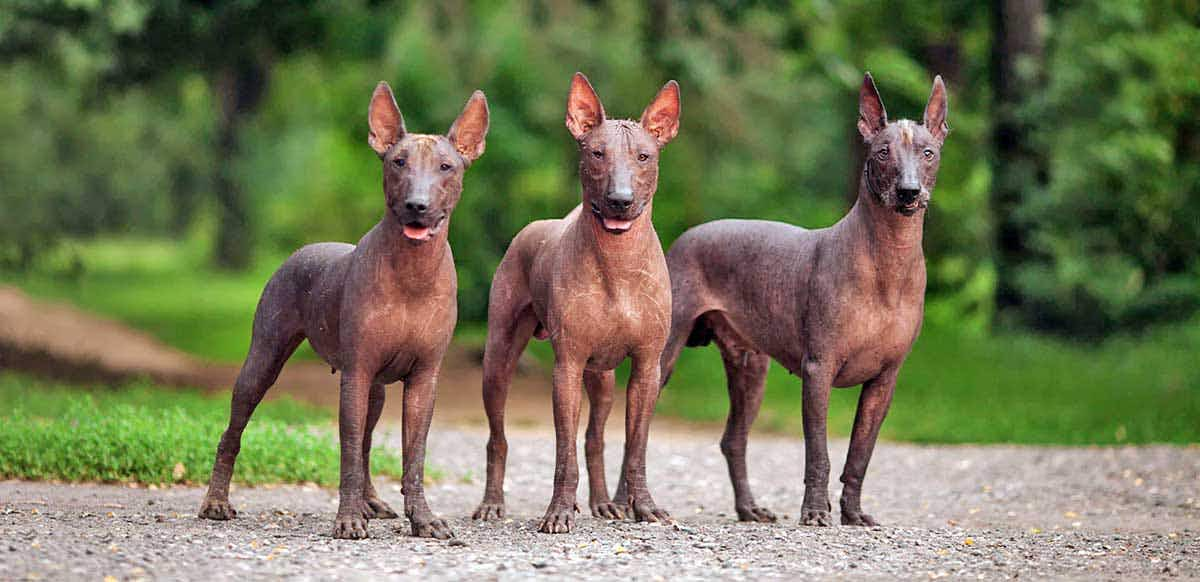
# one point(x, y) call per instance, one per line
point(419, 393)
point(641, 396)
point(351, 524)
point(568, 391)
point(873, 406)
point(818, 381)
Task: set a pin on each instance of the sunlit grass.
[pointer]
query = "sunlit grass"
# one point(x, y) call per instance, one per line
point(147, 434)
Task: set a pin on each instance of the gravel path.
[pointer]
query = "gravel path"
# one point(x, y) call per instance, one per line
point(962, 511)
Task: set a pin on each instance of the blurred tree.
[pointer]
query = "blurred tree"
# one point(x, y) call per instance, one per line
point(1019, 169)
point(232, 43)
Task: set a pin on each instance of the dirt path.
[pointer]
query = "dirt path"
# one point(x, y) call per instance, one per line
point(991, 512)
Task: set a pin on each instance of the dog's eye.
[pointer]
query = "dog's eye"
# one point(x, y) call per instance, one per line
point(446, 167)
point(643, 157)
point(399, 162)
point(597, 154)
point(928, 154)
point(882, 155)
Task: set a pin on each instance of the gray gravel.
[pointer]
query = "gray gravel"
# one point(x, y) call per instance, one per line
point(961, 511)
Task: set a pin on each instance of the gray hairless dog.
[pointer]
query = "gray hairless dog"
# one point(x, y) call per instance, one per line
point(838, 306)
point(380, 312)
point(596, 284)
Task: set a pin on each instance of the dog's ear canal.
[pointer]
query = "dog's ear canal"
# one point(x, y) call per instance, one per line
point(584, 110)
point(872, 117)
point(469, 131)
point(661, 117)
point(936, 109)
point(383, 117)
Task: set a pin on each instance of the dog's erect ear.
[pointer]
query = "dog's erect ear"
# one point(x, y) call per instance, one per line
point(936, 109)
point(872, 117)
point(387, 126)
point(661, 117)
point(470, 129)
point(584, 111)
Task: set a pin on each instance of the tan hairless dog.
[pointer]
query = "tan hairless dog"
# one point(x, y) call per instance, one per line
point(595, 283)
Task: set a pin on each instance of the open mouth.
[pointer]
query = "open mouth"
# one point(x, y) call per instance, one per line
point(910, 208)
point(613, 225)
point(416, 230)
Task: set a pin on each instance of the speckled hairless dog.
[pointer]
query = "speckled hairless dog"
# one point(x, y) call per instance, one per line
point(595, 283)
point(379, 312)
point(838, 306)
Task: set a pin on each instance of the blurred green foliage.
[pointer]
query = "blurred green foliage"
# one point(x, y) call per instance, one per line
point(769, 101)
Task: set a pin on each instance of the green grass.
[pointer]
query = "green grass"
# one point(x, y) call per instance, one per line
point(141, 433)
point(958, 388)
point(161, 287)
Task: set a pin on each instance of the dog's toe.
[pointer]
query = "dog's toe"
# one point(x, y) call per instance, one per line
point(558, 521)
point(756, 514)
point(378, 509)
point(218, 509)
point(859, 519)
point(489, 511)
point(607, 510)
point(816, 517)
point(434, 528)
point(350, 528)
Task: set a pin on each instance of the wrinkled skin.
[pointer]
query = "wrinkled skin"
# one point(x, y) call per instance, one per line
point(838, 306)
point(379, 312)
point(595, 284)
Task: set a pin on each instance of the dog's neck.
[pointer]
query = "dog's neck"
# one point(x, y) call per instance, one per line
point(402, 258)
point(625, 251)
point(891, 239)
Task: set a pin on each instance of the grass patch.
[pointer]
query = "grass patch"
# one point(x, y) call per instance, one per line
point(162, 287)
point(140, 433)
point(959, 388)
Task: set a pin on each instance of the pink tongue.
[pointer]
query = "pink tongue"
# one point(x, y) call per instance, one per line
point(416, 232)
point(614, 224)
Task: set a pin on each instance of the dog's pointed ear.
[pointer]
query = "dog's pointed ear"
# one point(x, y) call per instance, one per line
point(661, 117)
point(584, 111)
point(386, 123)
point(936, 110)
point(872, 117)
point(469, 131)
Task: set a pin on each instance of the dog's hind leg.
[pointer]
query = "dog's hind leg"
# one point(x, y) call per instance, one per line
point(746, 374)
point(600, 387)
point(511, 323)
point(375, 508)
point(271, 344)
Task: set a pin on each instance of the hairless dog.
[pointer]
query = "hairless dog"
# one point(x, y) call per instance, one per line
point(595, 284)
point(380, 312)
point(838, 306)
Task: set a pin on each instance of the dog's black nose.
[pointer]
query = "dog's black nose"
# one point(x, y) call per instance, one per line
point(620, 201)
point(908, 195)
point(418, 206)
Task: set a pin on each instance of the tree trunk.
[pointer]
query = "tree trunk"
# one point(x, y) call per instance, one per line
point(239, 87)
point(1017, 45)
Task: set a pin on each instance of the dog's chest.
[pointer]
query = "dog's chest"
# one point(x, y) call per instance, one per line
point(876, 337)
point(611, 319)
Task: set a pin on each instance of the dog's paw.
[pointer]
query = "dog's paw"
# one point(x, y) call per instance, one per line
point(376, 508)
point(817, 517)
point(350, 527)
point(607, 510)
point(649, 512)
point(558, 520)
point(489, 511)
point(756, 513)
point(218, 509)
point(431, 527)
point(858, 518)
